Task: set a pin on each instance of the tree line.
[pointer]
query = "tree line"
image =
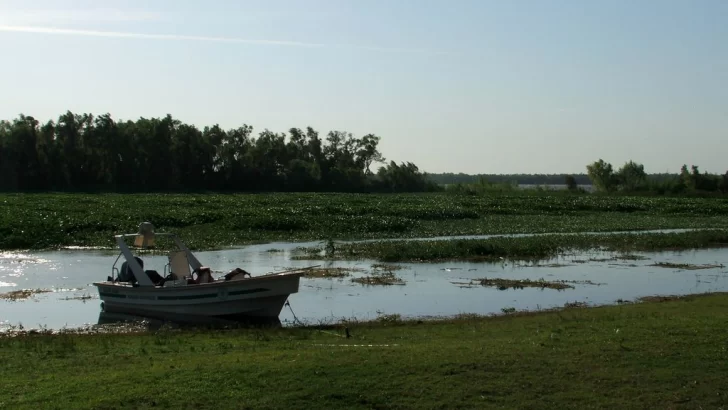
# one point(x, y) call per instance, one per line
point(631, 177)
point(85, 152)
point(448, 178)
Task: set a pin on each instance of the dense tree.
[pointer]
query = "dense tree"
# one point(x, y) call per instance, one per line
point(523, 179)
point(405, 177)
point(631, 177)
point(570, 182)
point(602, 175)
point(87, 152)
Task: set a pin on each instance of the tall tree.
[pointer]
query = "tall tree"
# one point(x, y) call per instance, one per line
point(602, 175)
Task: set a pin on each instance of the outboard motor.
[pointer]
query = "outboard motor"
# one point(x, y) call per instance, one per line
point(125, 273)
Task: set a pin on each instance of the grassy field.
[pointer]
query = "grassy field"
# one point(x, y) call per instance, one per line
point(516, 248)
point(38, 221)
point(668, 355)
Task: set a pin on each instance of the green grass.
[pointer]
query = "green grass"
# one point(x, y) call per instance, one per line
point(207, 221)
point(666, 355)
point(522, 248)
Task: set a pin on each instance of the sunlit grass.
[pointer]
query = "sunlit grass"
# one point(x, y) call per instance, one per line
point(664, 354)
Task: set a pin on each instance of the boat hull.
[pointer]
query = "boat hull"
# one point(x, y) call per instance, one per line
point(258, 297)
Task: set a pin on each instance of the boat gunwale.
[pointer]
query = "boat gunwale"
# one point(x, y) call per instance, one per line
point(200, 286)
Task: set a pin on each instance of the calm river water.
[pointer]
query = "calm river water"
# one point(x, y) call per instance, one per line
point(429, 289)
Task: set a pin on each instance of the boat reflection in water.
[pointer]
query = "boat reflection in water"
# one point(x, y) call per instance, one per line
point(185, 322)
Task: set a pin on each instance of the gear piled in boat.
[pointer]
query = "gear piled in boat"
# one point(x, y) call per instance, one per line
point(187, 289)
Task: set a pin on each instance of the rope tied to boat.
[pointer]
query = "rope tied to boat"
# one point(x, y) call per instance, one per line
point(295, 319)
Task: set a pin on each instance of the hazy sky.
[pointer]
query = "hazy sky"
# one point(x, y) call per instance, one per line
point(504, 86)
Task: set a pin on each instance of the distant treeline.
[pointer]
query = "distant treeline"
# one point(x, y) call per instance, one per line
point(97, 153)
point(521, 179)
point(632, 178)
point(448, 178)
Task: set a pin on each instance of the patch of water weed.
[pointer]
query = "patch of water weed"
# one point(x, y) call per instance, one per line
point(387, 267)
point(213, 221)
point(526, 248)
point(393, 318)
point(503, 284)
point(572, 305)
point(630, 257)
point(379, 279)
point(660, 298)
point(581, 282)
point(686, 266)
point(23, 294)
point(551, 265)
point(329, 272)
point(83, 298)
point(466, 285)
point(274, 250)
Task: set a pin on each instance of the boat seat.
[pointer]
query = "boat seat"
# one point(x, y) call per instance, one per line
point(204, 275)
point(179, 266)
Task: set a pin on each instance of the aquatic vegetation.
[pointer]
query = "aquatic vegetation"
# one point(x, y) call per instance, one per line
point(551, 265)
point(581, 282)
point(629, 257)
point(23, 294)
point(686, 266)
point(504, 284)
point(387, 267)
point(528, 248)
point(213, 221)
point(329, 272)
point(84, 297)
point(379, 279)
point(572, 305)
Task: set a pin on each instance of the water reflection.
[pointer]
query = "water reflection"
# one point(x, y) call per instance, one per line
point(428, 290)
point(123, 320)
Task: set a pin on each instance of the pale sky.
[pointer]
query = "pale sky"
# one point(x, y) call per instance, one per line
point(502, 86)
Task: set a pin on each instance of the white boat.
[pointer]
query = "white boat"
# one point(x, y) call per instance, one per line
point(187, 292)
